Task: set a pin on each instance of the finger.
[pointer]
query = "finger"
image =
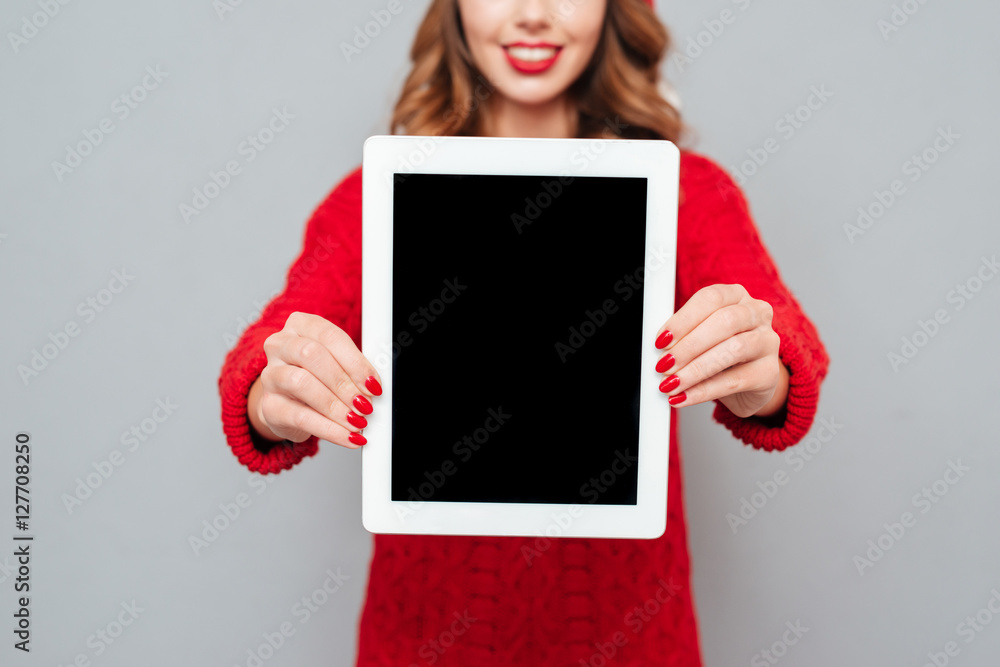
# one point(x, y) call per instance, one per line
point(342, 348)
point(739, 378)
point(300, 384)
point(288, 415)
point(317, 360)
point(738, 349)
point(702, 303)
point(720, 332)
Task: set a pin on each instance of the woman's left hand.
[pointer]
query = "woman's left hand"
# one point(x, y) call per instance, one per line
point(720, 345)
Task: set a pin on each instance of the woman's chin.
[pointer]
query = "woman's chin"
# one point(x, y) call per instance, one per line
point(531, 95)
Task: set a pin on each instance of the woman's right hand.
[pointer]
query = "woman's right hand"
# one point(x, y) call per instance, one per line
point(316, 382)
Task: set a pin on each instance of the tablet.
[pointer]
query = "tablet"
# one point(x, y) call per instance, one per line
point(512, 290)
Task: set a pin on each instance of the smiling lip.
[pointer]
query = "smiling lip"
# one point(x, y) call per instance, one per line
point(531, 66)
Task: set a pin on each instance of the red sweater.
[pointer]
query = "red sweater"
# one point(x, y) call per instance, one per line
point(562, 602)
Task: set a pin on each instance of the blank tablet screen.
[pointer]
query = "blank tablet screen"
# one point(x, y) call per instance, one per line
point(516, 327)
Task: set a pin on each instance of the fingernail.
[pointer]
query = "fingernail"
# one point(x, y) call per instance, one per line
point(356, 420)
point(362, 405)
point(357, 438)
point(373, 385)
point(679, 398)
point(670, 384)
point(665, 363)
point(664, 339)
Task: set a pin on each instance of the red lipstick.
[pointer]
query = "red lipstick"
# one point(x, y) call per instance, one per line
point(526, 66)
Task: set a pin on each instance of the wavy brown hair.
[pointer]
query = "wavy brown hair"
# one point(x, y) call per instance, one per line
point(446, 94)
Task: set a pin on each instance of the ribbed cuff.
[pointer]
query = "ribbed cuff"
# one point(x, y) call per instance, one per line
point(256, 453)
point(792, 423)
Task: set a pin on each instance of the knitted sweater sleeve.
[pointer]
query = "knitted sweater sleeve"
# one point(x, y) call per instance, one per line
point(719, 243)
point(325, 279)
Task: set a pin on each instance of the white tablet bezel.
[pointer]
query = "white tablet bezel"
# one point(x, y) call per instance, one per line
point(656, 160)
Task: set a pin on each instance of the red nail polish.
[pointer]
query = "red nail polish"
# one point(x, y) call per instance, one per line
point(665, 363)
point(362, 405)
point(373, 385)
point(356, 420)
point(670, 384)
point(357, 438)
point(664, 339)
point(679, 398)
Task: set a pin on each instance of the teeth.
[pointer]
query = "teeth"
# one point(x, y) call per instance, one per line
point(532, 54)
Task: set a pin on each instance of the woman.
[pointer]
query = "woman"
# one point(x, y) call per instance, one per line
point(533, 68)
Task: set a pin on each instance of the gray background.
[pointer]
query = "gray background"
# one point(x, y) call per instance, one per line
point(165, 335)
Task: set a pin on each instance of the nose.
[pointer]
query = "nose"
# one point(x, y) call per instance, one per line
point(533, 14)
